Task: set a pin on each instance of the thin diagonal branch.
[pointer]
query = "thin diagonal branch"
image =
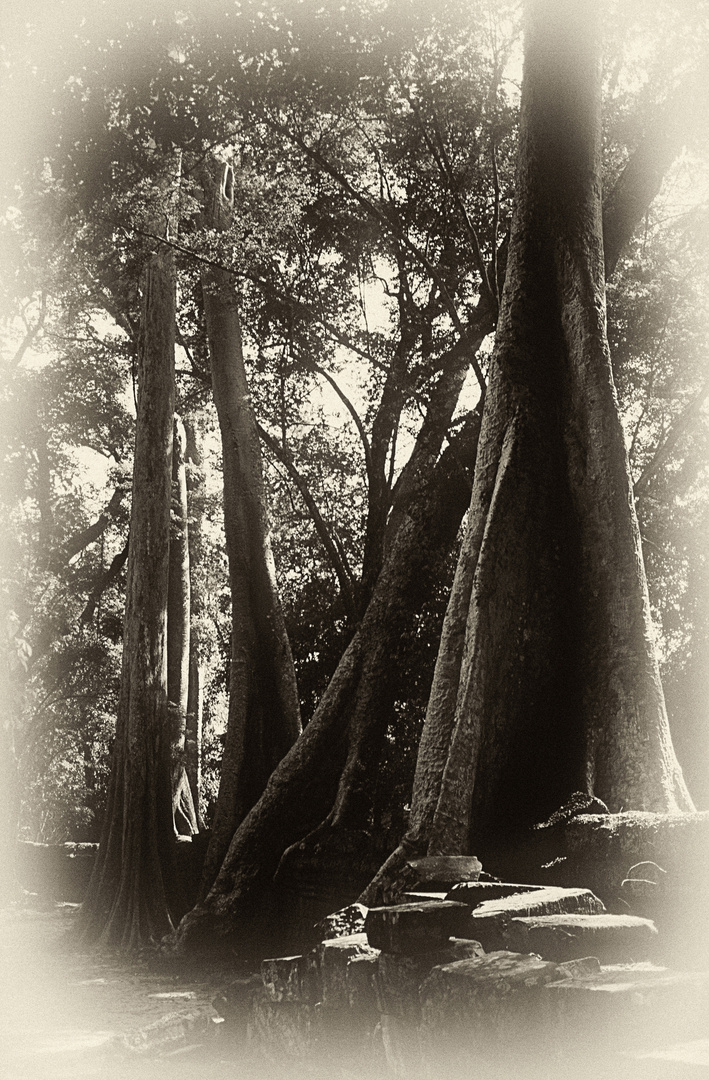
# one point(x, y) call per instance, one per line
point(339, 564)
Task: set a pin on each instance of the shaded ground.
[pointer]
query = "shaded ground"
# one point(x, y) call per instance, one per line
point(68, 1012)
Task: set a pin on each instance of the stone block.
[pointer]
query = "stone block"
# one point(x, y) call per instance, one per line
point(360, 977)
point(477, 892)
point(414, 928)
point(283, 977)
point(586, 965)
point(612, 939)
point(489, 919)
point(624, 1006)
point(342, 923)
point(333, 956)
point(551, 900)
point(282, 1029)
point(483, 1008)
point(445, 870)
point(399, 977)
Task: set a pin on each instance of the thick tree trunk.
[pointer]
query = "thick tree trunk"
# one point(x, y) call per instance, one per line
point(264, 711)
point(546, 680)
point(326, 773)
point(178, 636)
point(314, 785)
point(130, 896)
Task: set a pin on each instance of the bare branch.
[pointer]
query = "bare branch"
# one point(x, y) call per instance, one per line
point(32, 332)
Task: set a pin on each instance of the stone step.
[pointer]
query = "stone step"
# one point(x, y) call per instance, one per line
point(399, 977)
point(481, 1008)
point(490, 918)
point(477, 892)
point(612, 939)
point(628, 1006)
point(414, 928)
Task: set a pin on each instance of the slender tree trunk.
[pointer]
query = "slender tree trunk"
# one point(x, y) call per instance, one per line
point(264, 711)
point(178, 636)
point(130, 896)
point(193, 732)
point(546, 680)
point(10, 807)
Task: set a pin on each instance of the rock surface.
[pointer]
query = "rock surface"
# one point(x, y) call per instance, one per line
point(399, 977)
point(348, 920)
point(333, 957)
point(413, 928)
point(610, 938)
point(478, 892)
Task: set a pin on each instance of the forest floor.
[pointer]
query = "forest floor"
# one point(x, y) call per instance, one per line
point(67, 1012)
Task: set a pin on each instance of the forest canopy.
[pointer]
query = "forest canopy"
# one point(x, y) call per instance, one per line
point(327, 191)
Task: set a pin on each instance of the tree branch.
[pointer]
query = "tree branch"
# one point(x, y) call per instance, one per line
point(342, 571)
point(641, 179)
point(93, 532)
point(104, 581)
point(32, 331)
point(682, 424)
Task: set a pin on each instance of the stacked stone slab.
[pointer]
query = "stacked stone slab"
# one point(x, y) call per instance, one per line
point(494, 971)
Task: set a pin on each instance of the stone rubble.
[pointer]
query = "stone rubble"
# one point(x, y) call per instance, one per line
point(424, 986)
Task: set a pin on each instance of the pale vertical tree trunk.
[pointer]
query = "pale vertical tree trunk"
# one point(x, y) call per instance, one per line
point(195, 705)
point(130, 894)
point(264, 710)
point(178, 635)
point(547, 680)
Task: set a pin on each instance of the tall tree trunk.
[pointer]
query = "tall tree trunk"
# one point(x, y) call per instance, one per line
point(11, 667)
point(130, 896)
point(178, 635)
point(304, 789)
point(264, 710)
point(547, 680)
point(325, 772)
point(193, 731)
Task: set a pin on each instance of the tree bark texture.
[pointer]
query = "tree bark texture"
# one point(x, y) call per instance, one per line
point(130, 896)
point(264, 710)
point(547, 680)
point(178, 635)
